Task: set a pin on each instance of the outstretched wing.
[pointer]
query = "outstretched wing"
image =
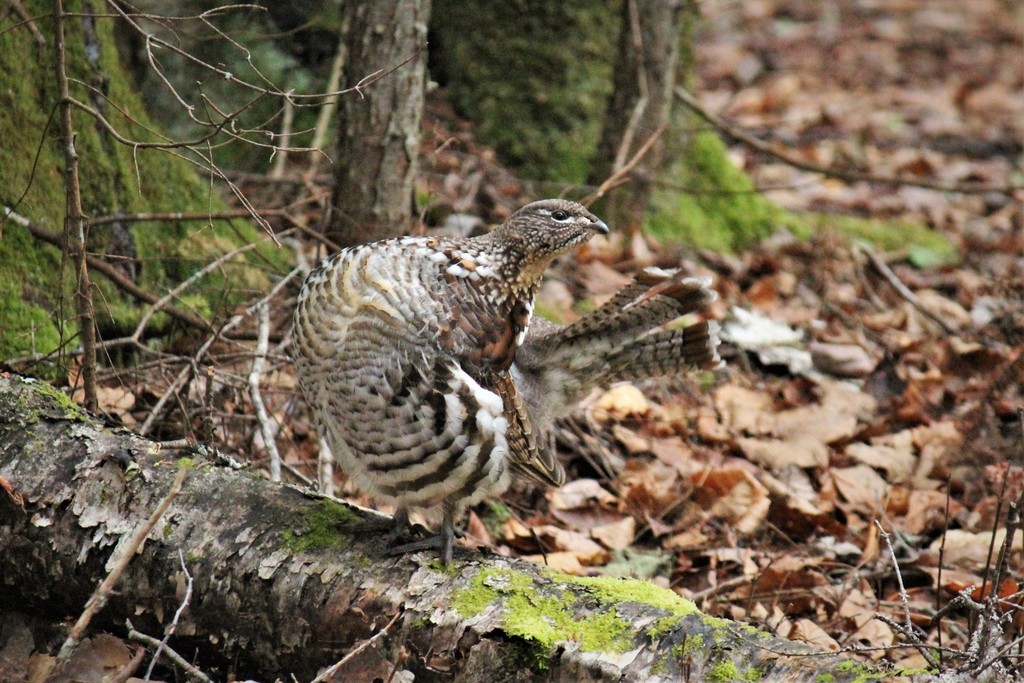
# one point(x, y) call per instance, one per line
point(524, 455)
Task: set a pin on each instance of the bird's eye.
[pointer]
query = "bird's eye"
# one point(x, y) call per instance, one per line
point(560, 215)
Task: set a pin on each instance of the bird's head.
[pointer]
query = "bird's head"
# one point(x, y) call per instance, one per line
point(540, 231)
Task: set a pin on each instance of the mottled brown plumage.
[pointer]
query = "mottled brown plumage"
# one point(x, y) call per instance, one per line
point(626, 339)
point(404, 349)
point(431, 383)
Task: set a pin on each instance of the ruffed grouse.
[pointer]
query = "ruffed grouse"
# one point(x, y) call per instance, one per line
point(410, 352)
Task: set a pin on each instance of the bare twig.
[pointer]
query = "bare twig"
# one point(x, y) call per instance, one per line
point(906, 628)
point(75, 224)
point(127, 551)
point(885, 271)
point(848, 175)
point(281, 154)
point(111, 273)
point(619, 177)
point(190, 669)
point(173, 626)
point(182, 376)
point(259, 358)
point(323, 120)
point(325, 468)
point(328, 673)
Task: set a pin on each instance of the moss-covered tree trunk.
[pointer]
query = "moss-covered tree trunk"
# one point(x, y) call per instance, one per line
point(379, 128)
point(640, 106)
point(116, 180)
point(543, 80)
point(281, 590)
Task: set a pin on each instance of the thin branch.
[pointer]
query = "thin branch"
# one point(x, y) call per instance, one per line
point(907, 628)
point(173, 626)
point(191, 670)
point(259, 358)
point(849, 175)
point(618, 177)
point(111, 273)
point(182, 376)
point(75, 224)
point(99, 598)
point(885, 271)
point(328, 673)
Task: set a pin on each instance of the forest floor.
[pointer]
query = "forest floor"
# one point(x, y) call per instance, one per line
point(876, 442)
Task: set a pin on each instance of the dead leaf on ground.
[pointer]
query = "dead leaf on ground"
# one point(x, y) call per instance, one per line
point(777, 454)
point(861, 487)
point(617, 535)
point(806, 631)
point(969, 550)
point(738, 498)
point(621, 402)
point(893, 453)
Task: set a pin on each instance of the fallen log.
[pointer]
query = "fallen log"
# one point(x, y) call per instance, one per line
point(281, 590)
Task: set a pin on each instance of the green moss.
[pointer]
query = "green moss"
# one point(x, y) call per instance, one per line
point(861, 673)
point(545, 620)
point(611, 589)
point(710, 203)
point(722, 672)
point(825, 678)
point(324, 527)
point(36, 300)
point(68, 408)
point(925, 247)
point(543, 116)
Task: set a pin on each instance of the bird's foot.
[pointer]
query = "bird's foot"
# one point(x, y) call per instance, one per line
point(441, 541)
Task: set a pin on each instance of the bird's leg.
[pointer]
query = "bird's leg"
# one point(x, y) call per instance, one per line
point(396, 527)
point(441, 541)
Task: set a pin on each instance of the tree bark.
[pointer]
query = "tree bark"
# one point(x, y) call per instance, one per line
point(379, 126)
point(282, 590)
point(641, 103)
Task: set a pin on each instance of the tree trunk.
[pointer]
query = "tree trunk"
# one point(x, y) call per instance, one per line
point(379, 126)
point(281, 589)
point(641, 103)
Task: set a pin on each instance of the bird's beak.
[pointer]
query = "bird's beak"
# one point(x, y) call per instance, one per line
point(600, 227)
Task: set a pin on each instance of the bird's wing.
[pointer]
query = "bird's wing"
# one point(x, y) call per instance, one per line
point(525, 456)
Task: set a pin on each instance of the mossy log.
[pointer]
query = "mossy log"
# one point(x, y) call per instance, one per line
point(282, 590)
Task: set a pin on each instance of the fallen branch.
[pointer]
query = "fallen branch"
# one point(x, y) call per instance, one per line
point(281, 589)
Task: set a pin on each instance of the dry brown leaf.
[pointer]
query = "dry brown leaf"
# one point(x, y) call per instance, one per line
point(566, 562)
point(861, 486)
point(476, 530)
point(777, 454)
point(947, 310)
point(579, 493)
point(739, 498)
point(806, 631)
point(687, 540)
point(926, 511)
point(676, 453)
point(709, 428)
point(580, 545)
point(891, 452)
point(841, 360)
point(621, 402)
point(630, 440)
point(794, 486)
point(742, 410)
point(840, 407)
point(617, 535)
point(968, 549)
